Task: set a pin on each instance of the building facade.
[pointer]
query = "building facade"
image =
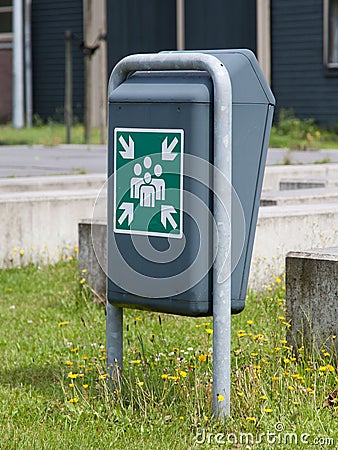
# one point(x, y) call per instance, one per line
point(296, 43)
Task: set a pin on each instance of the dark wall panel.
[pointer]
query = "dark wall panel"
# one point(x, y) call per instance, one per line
point(139, 26)
point(299, 78)
point(144, 26)
point(221, 24)
point(50, 20)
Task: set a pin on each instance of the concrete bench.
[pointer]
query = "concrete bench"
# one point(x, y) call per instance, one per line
point(275, 174)
point(302, 196)
point(52, 183)
point(312, 298)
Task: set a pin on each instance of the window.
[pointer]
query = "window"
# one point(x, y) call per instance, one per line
point(331, 33)
point(6, 10)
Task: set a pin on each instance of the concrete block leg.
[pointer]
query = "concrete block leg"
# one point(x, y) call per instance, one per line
point(312, 299)
point(93, 255)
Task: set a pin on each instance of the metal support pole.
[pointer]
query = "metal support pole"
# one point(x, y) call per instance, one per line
point(28, 63)
point(114, 338)
point(222, 160)
point(180, 24)
point(68, 85)
point(18, 65)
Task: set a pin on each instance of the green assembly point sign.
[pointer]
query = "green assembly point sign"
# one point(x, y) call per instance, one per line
point(148, 181)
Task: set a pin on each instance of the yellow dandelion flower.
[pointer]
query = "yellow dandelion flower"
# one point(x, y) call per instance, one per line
point(330, 368)
point(103, 376)
point(275, 378)
point(81, 375)
point(278, 280)
point(287, 324)
point(181, 418)
point(286, 361)
point(202, 357)
point(69, 363)
point(206, 324)
point(283, 288)
point(240, 394)
point(22, 252)
point(84, 270)
point(74, 350)
point(281, 318)
point(263, 397)
point(209, 330)
point(73, 400)
point(283, 341)
point(72, 375)
point(291, 388)
point(70, 258)
point(173, 377)
point(85, 358)
point(140, 383)
point(62, 324)
point(82, 281)
point(268, 410)
point(249, 322)
point(251, 419)
point(254, 355)
point(85, 386)
point(71, 385)
point(136, 361)
point(295, 403)
point(220, 397)
point(164, 376)
point(183, 374)
point(322, 369)
point(198, 326)
point(138, 319)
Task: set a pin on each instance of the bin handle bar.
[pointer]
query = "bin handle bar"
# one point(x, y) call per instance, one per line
point(222, 161)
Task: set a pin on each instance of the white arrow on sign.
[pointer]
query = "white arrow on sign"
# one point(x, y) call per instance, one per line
point(129, 148)
point(167, 154)
point(128, 211)
point(166, 214)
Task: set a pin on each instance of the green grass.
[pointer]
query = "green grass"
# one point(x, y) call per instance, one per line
point(49, 135)
point(54, 393)
point(296, 134)
point(289, 132)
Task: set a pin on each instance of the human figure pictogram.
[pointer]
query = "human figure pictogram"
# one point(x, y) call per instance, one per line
point(147, 192)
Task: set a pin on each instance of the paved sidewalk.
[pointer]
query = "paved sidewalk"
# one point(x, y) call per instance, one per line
point(23, 161)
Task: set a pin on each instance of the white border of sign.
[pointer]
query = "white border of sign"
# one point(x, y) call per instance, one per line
point(151, 130)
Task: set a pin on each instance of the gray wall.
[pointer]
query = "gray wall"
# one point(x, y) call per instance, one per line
point(50, 20)
point(299, 78)
point(138, 26)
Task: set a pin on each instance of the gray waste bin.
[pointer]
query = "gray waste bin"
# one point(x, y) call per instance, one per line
point(172, 113)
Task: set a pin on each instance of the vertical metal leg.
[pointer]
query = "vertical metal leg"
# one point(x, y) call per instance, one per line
point(114, 337)
point(222, 351)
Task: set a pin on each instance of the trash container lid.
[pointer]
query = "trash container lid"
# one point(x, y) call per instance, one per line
point(248, 83)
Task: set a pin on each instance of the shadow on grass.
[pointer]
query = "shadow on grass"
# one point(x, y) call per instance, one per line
point(43, 379)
